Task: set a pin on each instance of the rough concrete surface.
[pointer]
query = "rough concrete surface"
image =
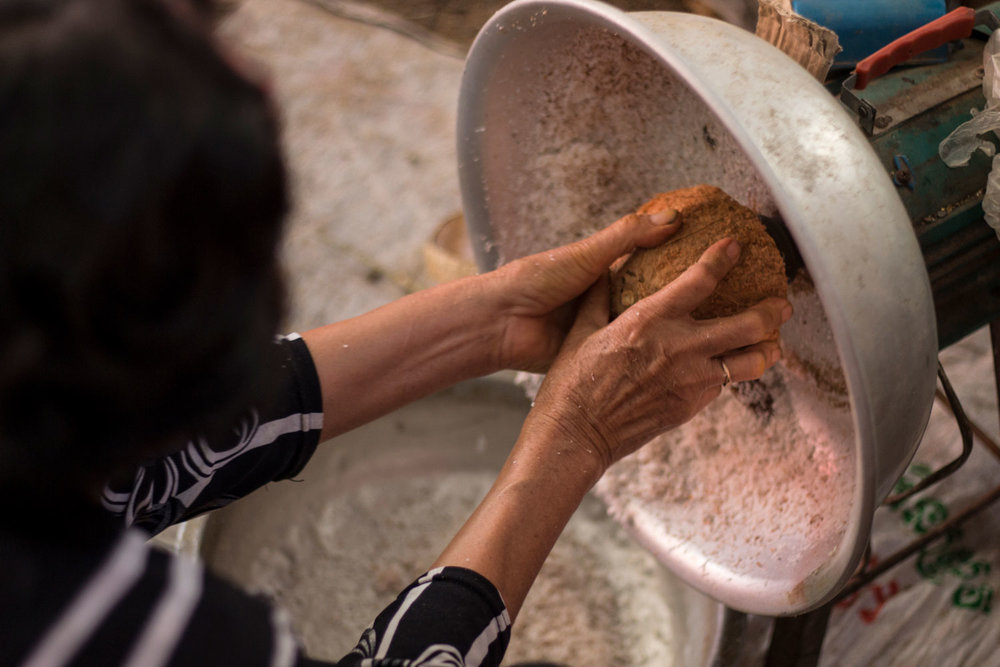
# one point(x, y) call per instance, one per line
point(451, 25)
point(369, 122)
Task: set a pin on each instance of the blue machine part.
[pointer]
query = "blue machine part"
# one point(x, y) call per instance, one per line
point(865, 26)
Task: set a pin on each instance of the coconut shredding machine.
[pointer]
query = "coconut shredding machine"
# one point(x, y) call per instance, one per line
point(894, 240)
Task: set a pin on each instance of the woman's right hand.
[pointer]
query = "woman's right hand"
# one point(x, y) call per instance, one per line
point(614, 386)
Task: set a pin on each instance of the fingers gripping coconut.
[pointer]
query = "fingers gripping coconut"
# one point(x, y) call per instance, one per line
point(611, 387)
point(709, 214)
point(616, 386)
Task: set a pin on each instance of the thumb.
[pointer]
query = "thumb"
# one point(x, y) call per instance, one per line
point(591, 256)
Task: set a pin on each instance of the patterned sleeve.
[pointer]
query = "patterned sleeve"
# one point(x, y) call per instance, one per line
point(450, 616)
point(265, 447)
point(447, 617)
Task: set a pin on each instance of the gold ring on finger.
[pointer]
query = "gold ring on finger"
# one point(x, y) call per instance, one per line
point(727, 376)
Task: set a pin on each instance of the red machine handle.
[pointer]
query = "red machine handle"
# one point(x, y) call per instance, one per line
point(954, 25)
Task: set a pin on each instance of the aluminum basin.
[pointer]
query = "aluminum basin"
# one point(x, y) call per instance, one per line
point(374, 508)
point(557, 136)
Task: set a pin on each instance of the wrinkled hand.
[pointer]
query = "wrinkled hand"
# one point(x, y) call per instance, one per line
point(615, 386)
point(538, 293)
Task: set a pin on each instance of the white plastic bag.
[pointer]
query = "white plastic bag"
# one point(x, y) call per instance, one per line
point(940, 607)
point(958, 147)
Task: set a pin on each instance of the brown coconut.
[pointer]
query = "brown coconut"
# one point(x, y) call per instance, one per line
point(708, 215)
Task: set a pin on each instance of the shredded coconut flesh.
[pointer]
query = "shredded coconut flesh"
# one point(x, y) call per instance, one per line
point(599, 137)
point(599, 600)
point(758, 486)
point(755, 499)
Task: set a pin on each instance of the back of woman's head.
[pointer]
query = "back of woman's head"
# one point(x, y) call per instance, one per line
point(141, 197)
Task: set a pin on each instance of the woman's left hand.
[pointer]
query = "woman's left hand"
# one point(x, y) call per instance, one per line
point(536, 295)
point(514, 317)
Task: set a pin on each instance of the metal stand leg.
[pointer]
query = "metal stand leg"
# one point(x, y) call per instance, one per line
point(797, 641)
point(995, 338)
point(733, 642)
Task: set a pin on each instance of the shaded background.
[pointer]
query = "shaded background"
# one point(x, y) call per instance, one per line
point(368, 93)
point(457, 21)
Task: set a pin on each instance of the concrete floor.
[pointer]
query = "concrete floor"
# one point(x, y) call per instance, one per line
point(451, 25)
point(369, 117)
point(369, 122)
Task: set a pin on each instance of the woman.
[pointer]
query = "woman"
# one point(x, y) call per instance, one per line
point(142, 193)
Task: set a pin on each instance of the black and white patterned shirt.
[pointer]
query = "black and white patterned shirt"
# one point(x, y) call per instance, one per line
point(94, 592)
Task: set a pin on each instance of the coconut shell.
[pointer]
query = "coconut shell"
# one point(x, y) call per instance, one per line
point(708, 215)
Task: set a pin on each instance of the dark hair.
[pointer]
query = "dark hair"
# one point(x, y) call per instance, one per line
point(142, 191)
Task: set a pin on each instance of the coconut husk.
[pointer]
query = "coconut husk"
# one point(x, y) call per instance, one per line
point(806, 42)
point(708, 215)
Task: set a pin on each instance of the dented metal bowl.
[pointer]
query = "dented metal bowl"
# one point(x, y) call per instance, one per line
point(572, 112)
point(378, 504)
